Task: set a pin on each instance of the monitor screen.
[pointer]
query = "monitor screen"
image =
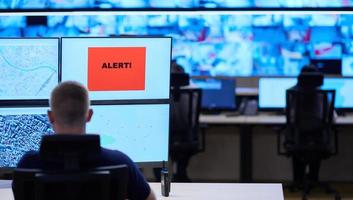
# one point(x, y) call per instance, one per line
point(119, 68)
point(344, 91)
point(217, 44)
point(74, 4)
point(272, 91)
point(21, 130)
point(217, 94)
point(140, 131)
point(28, 68)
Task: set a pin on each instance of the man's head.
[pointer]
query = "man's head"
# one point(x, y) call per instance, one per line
point(69, 106)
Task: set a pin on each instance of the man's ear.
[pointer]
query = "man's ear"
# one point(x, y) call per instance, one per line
point(89, 115)
point(50, 116)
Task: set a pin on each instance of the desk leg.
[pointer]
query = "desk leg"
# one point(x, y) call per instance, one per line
point(245, 153)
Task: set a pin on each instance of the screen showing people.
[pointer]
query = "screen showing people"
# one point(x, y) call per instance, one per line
point(218, 44)
point(28, 68)
point(119, 68)
point(272, 91)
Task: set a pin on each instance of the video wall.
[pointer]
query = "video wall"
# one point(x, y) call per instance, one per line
point(218, 45)
point(63, 4)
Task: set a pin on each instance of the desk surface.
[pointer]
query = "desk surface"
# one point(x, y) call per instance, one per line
point(263, 118)
point(199, 191)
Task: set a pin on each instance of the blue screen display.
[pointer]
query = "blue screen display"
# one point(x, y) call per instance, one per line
point(217, 94)
point(42, 4)
point(220, 45)
point(21, 130)
point(272, 91)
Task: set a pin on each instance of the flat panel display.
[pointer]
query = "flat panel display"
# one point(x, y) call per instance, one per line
point(217, 94)
point(119, 68)
point(272, 91)
point(218, 44)
point(28, 68)
point(77, 4)
point(140, 131)
point(21, 130)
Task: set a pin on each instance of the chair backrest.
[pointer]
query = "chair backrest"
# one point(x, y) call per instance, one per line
point(309, 114)
point(69, 152)
point(185, 112)
point(106, 183)
point(70, 172)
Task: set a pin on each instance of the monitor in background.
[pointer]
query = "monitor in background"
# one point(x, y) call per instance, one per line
point(28, 68)
point(217, 94)
point(140, 131)
point(21, 130)
point(221, 45)
point(119, 68)
point(344, 91)
point(272, 91)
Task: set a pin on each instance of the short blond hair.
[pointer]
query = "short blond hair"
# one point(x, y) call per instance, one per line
point(69, 103)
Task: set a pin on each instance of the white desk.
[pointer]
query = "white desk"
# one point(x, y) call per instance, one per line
point(202, 191)
point(261, 119)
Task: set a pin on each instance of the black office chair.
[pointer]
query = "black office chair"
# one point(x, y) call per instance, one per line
point(184, 129)
point(309, 135)
point(69, 172)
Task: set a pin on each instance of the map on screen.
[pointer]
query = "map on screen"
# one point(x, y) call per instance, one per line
point(28, 68)
point(21, 130)
point(140, 131)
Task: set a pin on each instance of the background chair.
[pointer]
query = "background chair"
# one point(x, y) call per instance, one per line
point(65, 175)
point(184, 129)
point(309, 135)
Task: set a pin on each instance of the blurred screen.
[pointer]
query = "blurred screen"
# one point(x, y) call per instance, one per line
point(217, 94)
point(21, 130)
point(219, 45)
point(44, 4)
point(272, 91)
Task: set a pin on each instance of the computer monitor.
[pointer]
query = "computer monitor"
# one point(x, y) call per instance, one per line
point(140, 131)
point(272, 91)
point(217, 94)
point(119, 68)
point(21, 130)
point(344, 91)
point(28, 68)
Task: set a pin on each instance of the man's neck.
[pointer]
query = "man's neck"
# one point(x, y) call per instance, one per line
point(70, 130)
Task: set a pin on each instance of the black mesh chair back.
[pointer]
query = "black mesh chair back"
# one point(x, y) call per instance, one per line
point(70, 172)
point(184, 126)
point(106, 183)
point(309, 114)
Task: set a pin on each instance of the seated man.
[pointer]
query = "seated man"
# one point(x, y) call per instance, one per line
point(69, 113)
point(309, 80)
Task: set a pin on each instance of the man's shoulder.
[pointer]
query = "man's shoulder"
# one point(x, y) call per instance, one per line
point(115, 157)
point(31, 159)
